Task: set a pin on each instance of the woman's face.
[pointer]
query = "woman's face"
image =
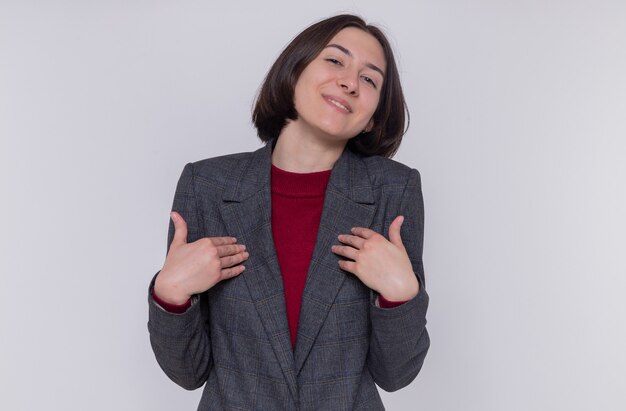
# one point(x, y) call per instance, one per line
point(338, 92)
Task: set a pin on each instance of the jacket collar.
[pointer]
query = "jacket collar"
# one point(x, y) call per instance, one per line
point(349, 176)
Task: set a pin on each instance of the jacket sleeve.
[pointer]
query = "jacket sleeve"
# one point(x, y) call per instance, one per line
point(181, 342)
point(399, 340)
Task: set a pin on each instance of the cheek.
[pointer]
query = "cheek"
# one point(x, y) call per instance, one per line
point(305, 86)
point(372, 103)
point(300, 95)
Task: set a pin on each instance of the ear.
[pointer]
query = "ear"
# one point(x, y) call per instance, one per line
point(369, 126)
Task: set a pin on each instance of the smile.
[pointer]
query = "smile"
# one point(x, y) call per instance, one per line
point(343, 106)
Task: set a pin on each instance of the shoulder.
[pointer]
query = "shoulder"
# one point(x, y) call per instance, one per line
point(221, 169)
point(220, 164)
point(387, 172)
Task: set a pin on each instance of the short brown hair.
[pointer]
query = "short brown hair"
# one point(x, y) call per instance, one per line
point(275, 101)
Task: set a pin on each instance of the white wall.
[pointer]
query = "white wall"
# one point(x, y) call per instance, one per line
point(518, 127)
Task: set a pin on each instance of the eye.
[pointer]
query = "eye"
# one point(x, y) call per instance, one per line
point(334, 61)
point(369, 80)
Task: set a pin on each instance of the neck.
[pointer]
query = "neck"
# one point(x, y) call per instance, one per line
point(298, 154)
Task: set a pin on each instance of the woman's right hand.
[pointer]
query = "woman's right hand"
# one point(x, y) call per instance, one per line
point(193, 268)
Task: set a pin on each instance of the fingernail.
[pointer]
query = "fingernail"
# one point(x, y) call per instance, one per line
point(242, 247)
point(173, 216)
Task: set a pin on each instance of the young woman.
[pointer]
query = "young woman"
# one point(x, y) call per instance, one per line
point(294, 278)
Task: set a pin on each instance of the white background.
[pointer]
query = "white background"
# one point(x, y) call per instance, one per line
point(518, 121)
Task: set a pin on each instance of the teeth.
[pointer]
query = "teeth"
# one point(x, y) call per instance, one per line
point(338, 104)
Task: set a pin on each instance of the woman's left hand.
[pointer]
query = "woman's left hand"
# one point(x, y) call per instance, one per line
point(382, 265)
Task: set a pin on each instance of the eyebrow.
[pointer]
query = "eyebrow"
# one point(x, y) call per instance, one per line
point(348, 53)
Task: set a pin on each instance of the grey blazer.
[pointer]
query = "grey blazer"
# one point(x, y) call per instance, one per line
point(235, 337)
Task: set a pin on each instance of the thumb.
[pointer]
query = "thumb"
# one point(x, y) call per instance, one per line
point(394, 231)
point(180, 229)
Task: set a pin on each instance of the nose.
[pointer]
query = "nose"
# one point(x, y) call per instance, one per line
point(349, 85)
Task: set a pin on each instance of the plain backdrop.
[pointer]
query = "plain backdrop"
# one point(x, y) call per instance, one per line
point(518, 122)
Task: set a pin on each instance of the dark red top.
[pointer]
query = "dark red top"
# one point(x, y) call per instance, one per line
point(297, 202)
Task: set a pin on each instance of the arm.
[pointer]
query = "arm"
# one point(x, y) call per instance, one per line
point(392, 269)
point(399, 340)
point(193, 265)
point(181, 342)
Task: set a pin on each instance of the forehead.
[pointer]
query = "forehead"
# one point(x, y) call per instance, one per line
point(362, 45)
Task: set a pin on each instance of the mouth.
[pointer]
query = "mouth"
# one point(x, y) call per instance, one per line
point(339, 103)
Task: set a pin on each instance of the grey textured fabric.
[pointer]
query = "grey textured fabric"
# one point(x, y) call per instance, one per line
point(235, 339)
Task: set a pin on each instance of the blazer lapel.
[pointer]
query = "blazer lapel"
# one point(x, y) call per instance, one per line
point(348, 203)
point(246, 211)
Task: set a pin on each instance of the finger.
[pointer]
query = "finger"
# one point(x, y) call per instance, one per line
point(394, 231)
point(363, 232)
point(180, 229)
point(349, 266)
point(231, 249)
point(232, 260)
point(354, 241)
point(345, 251)
point(232, 271)
point(223, 240)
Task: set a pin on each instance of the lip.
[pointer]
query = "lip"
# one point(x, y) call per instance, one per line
point(331, 101)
